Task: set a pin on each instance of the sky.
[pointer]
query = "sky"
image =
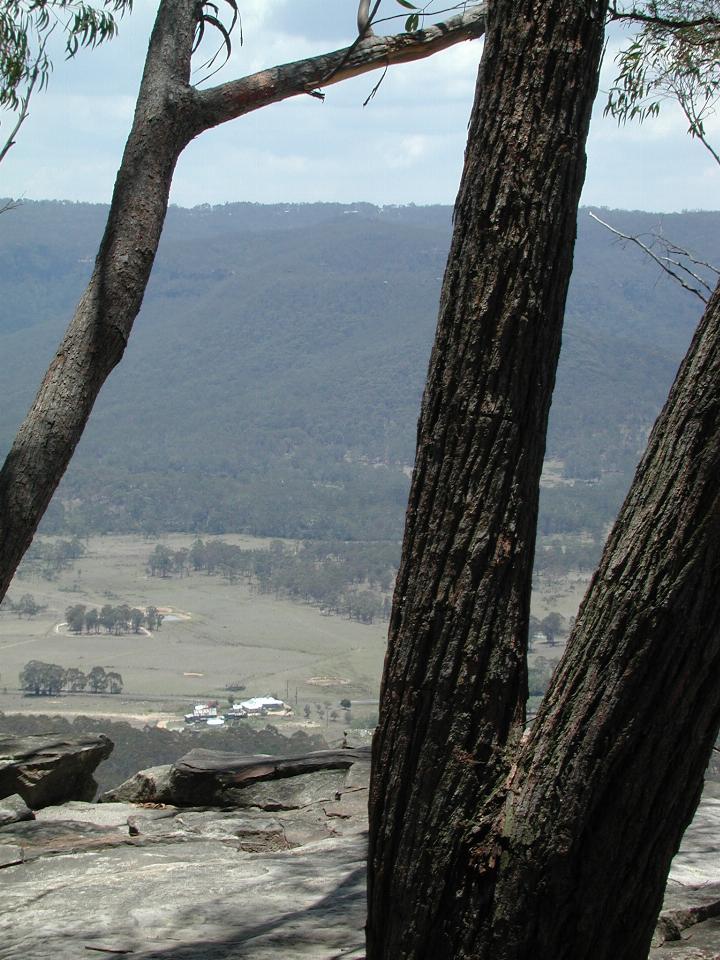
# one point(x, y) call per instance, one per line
point(406, 146)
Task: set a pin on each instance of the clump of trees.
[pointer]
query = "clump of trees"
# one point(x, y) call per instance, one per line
point(345, 579)
point(48, 558)
point(26, 606)
point(117, 620)
point(41, 679)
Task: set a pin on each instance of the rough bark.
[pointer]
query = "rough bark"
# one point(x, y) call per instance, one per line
point(613, 770)
point(454, 686)
point(97, 335)
point(169, 113)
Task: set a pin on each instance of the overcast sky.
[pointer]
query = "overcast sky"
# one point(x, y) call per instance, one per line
point(405, 146)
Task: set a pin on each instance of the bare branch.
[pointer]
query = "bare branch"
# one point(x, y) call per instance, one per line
point(636, 16)
point(667, 263)
point(238, 97)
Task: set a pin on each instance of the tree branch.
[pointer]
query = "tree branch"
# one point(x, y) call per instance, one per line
point(238, 97)
point(665, 263)
point(635, 16)
point(23, 106)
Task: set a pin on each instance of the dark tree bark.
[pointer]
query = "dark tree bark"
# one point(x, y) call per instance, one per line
point(455, 685)
point(169, 113)
point(613, 771)
point(557, 847)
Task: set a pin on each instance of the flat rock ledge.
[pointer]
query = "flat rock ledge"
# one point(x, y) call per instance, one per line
point(159, 881)
point(156, 881)
point(46, 770)
point(215, 778)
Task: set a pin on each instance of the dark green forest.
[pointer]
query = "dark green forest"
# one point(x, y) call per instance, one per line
point(273, 380)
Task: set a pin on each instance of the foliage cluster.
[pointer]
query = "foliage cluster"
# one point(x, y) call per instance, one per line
point(347, 579)
point(25, 26)
point(48, 679)
point(113, 619)
point(674, 54)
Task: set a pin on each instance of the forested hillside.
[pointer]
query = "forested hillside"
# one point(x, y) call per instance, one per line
point(272, 383)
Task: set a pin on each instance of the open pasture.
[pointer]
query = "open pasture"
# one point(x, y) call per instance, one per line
point(224, 633)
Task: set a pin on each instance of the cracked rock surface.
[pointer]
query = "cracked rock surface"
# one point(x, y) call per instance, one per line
point(169, 883)
point(155, 881)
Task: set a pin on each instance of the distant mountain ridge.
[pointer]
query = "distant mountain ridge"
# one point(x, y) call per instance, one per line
point(273, 379)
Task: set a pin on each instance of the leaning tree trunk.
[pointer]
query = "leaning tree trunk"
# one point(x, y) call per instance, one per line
point(613, 770)
point(168, 115)
point(97, 336)
point(454, 687)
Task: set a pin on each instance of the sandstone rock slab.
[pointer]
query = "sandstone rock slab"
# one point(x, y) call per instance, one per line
point(216, 778)
point(201, 899)
point(147, 786)
point(50, 770)
point(13, 809)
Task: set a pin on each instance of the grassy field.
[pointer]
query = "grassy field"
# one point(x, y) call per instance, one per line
point(224, 633)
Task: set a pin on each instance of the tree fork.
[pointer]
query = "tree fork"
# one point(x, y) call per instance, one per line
point(168, 115)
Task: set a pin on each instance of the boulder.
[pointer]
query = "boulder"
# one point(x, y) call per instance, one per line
point(13, 809)
point(147, 786)
point(49, 770)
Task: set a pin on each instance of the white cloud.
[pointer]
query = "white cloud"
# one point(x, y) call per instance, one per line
point(406, 146)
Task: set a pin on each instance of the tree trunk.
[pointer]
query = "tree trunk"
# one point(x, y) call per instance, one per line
point(613, 771)
point(96, 338)
point(454, 686)
point(556, 847)
point(169, 113)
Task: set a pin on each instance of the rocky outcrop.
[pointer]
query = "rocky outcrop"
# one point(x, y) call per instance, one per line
point(161, 882)
point(14, 809)
point(147, 786)
point(215, 778)
point(50, 770)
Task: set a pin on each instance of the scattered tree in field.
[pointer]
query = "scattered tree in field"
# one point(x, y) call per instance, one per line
point(344, 579)
point(552, 625)
point(98, 680)
point(153, 618)
point(161, 562)
point(27, 606)
point(75, 617)
point(42, 679)
point(49, 679)
point(307, 710)
point(345, 703)
point(75, 680)
point(114, 681)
